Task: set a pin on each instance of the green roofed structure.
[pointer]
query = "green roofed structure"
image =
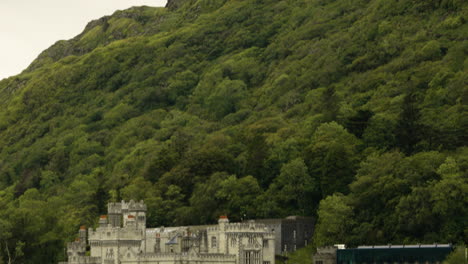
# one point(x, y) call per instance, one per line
point(427, 254)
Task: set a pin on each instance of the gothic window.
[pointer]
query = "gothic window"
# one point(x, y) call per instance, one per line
point(213, 242)
point(265, 243)
point(110, 253)
point(233, 242)
point(251, 257)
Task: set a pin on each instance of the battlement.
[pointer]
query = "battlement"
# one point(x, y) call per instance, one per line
point(114, 208)
point(115, 233)
point(133, 206)
point(246, 227)
point(251, 227)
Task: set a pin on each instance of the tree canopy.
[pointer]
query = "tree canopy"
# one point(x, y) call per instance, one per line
point(350, 111)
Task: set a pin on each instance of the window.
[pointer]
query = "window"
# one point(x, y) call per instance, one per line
point(213, 242)
point(251, 257)
point(266, 262)
point(233, 242)
point(265, 243)
point(157, 245)
point(319, 262)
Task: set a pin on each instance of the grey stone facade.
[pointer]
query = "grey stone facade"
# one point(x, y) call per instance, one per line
point(122, 237)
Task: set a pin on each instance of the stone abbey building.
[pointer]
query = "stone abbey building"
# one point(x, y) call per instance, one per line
point(122, 238)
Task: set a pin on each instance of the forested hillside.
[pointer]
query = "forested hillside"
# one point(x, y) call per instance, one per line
point(351, 111)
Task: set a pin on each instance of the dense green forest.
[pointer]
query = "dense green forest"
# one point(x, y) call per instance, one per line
point(351, 111)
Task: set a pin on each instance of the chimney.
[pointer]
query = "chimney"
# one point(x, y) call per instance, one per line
point(82, 233)
point(131, 221)
point(103, 221)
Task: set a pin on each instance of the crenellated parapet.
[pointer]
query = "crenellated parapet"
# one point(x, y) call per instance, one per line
point(114, 208)
point(115, 233)
point(246, 227)
point(133, 206)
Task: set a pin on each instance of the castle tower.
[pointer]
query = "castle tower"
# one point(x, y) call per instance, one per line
point(114, 211)
point(134, 215)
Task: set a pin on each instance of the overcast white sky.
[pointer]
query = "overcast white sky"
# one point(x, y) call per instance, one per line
point(27, 27)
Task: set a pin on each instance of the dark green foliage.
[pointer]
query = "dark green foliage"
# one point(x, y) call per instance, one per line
point(352, 111)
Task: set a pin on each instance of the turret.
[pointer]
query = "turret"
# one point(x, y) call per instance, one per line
point(223, 220)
